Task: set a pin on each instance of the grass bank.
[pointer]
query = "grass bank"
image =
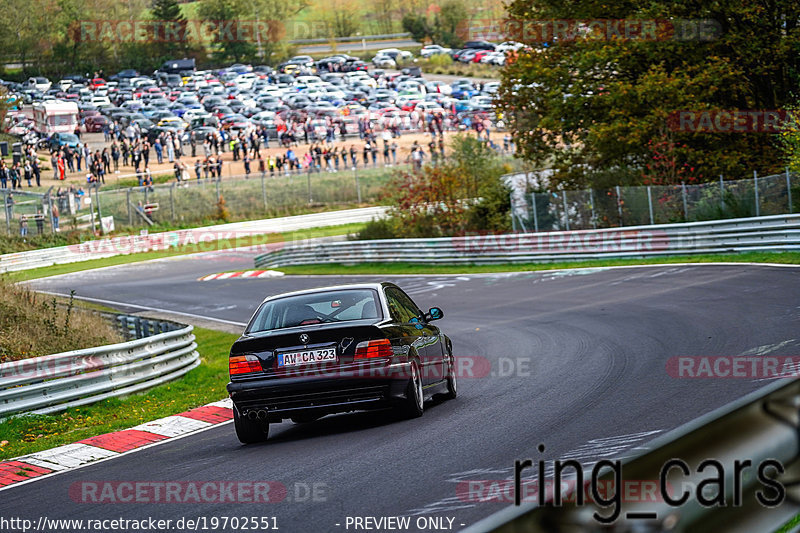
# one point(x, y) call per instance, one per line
point(411, 268)
point(206, 383)
point(270, 238)
point(33, 325)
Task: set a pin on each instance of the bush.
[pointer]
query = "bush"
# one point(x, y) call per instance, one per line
point(440, 60)
point(380, 228)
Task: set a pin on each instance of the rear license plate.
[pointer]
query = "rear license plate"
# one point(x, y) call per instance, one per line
point(306, 357)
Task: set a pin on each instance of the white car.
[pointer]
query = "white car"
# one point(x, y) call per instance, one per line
point(65, 84)
point(439, 87)
point(491, 87)
point(384, 61)
point(433, 50)
point(39, 83)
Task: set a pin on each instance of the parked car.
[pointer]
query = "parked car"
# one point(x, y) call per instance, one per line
point(316, 352)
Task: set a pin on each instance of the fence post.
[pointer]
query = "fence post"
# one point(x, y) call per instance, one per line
point(619, 205)
point(310, 199)
point(358, 184)
point(99, 212)
point(591, 203)
point(755, 188)
point(535, 214)
point(685, 203)
point(513, 217)
point(264, 190)
point(5, 211)
point(789, 189)
point(50, 209)
point(722, 194)
point(128, 204)
point(564, 203)
point(172, 201)
point(650, 205)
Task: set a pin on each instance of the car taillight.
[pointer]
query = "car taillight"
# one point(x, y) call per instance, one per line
point(370, 349)
point(243, 364)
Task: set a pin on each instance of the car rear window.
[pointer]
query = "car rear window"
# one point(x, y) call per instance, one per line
point(316, 308)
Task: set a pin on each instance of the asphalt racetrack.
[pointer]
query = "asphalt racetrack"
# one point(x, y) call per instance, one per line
point(578, 363)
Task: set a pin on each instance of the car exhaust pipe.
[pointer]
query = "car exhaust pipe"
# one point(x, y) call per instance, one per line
point(252, 415)
point(262, 414)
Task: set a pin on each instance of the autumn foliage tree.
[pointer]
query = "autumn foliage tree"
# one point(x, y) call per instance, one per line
point(593, 105)
point(461, 195)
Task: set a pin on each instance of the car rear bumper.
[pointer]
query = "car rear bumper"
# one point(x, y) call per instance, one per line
point(348, 390)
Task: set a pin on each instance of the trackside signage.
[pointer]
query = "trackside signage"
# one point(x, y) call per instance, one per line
point(565, 242)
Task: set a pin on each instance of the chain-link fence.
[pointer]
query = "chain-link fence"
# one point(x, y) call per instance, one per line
point(644, 205)
point(27, 213)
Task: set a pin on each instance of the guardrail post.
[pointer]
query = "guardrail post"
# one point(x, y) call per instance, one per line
point(619, 205)
point(535, 214)
point(755, 188)
point(591, 203)
point(789, 189)
point(564, 203)
point(650, 205)
point(685, 204)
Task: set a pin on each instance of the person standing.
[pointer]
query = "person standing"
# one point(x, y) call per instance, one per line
point(54, 213)
point(13, 174)
point(115, 155)
point(37, 171)
point(198, 167)
point(39, 221)
point(3, 175)
point(28, 173)
point(23, 226)
point(159, 150)
point(170, 150)
point(246, 161)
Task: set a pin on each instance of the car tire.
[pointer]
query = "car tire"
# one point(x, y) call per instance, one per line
point(413, 405)
point(249, 431)
point(452, 383)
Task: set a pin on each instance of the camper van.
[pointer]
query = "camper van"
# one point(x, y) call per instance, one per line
point(55, 117)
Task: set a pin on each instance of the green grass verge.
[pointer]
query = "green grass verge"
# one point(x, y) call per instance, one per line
point(410, 268)
point(204, 384)
point(183, 250)
point(791, 525)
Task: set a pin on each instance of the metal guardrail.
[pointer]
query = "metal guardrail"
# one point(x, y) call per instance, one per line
point(773, 233)
point(764, 425)
point(124, 245)
point(159, 352)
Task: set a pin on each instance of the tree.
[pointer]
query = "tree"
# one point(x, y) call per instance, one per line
point(341, 18)
point(169, 12)
point(592, 104)
point(450, 19)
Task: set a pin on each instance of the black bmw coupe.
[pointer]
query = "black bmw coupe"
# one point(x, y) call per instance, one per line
point(311, 353)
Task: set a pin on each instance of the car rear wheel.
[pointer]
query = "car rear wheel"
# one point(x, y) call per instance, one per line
point(413, 405)
point(249, 431)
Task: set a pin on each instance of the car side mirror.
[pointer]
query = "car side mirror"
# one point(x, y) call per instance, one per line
point(434, 313)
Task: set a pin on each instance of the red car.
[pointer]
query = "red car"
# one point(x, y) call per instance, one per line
point(95, 123)
point(96, 83)
point(479, 56)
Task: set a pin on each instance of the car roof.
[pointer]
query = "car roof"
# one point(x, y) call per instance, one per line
point(371, 286)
